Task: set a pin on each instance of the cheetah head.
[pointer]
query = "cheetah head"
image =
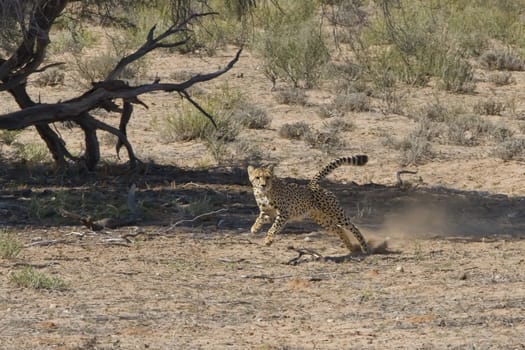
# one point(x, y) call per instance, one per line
point(261, 177)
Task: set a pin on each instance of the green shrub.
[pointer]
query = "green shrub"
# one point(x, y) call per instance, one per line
point(91, 69)
point(456, 73)
point(291, 44)
point(73, 39)
point(200, 205)
point(97, 68)
point(475, 24)
point(190, 124)
point(32, 152)
point(9, 136)
point(415, 148)
point(10, 247)
point(29, 278)
point(410, 43)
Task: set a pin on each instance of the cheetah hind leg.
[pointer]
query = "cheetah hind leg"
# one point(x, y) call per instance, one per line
point(334, 226)
point(343, 231)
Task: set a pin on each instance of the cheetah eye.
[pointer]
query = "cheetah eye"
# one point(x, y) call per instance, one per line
point(257, 178)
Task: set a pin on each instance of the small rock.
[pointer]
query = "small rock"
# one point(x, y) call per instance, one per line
point(462, 276)
point(307, 239)
point(400, 269)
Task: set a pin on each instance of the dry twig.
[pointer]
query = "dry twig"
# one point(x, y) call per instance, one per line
point(399, 181)
point(194, 219)
point(301, 252)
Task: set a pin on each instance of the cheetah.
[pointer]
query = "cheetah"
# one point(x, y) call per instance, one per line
point(281, 201)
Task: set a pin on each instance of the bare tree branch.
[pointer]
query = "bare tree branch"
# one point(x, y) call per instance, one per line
point(70, 110)
point(196, 105)
point(153, 43)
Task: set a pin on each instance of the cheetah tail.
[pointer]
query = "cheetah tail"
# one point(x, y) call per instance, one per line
point(352, 160)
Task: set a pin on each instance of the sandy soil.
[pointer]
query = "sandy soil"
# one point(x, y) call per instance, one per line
point(453, 276)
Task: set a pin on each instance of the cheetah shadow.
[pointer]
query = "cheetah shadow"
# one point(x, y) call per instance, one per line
point(380, 211)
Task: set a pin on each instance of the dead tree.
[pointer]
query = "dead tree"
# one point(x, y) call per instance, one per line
point(35, 19)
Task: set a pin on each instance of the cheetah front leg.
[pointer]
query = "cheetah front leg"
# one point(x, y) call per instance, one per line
point(263, 218)
point(277, 227)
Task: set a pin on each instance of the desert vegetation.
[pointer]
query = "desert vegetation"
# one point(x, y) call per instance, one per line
point(370, 55)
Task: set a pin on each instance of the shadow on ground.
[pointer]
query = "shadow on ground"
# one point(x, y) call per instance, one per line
point(167, 195)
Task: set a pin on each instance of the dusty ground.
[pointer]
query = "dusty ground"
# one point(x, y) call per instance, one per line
point(453, 277)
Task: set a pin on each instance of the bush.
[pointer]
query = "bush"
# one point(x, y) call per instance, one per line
point(502, 60)
point(501, 133)
point(294, 131)
point(32, 152)
point(475, 24)
point(10, 247)
point(415, 150)
point(9, 136)
point(50, 77)
point(73, 39)
point(191, 124)
point(247, 152)
point(329, 111)
point(435, 112)
point(91, 69)
point(252, 117)
point(501, 78)
point(511, 148)
point(292, 46)
point(355, 102)
point(456, 73)
point(29, 278)
point(467, 130)
point(325, 141)
point(291, 96)
point(97, 68)
point(489, 107)
point(409, 42)
point(338, 125)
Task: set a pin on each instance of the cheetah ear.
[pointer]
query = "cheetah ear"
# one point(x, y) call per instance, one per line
point(270, 168)
point(250, 169)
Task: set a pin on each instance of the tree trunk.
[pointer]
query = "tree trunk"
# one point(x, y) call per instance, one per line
point(54, 143)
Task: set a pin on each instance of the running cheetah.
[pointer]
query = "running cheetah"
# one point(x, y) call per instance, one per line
point(284, 201)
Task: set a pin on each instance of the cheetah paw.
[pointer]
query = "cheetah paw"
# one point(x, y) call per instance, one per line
point(268, 241)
